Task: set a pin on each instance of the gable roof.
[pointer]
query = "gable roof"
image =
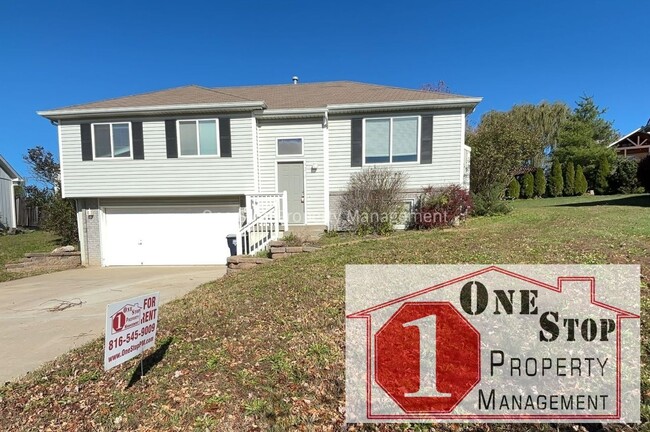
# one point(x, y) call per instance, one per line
point(4, 165)
point(335, 94)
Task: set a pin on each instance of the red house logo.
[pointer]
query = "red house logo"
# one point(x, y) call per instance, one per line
point(125, 318)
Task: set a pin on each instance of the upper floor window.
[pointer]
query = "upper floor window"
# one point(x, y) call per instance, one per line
point(112, 140)
point(198, 137)
point(392, 139)
point(289, 146)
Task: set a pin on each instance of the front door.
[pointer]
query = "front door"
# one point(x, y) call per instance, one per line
point(291, 178)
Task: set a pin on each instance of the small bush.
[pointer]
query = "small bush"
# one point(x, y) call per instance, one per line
point(438, 207)
point(540, 183)
point(623, 179)
point(555, 180)
point(514, 189)
point(569, 179)
point(527, 186)
point(61, 219)
point(581, 181)
point(373, 202)
point(643, 173)
point(490, 202)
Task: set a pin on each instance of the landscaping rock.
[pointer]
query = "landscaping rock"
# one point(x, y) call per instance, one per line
point(310, 248)
point(294, 249)
point(278, 243)
point(64, 249)
point(275, 250)
point(279, 255)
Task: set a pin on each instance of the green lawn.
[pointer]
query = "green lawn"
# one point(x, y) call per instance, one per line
point(263, 350)
point(13, 247)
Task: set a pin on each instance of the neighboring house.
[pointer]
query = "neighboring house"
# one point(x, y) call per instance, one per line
point(635, 145)
point(162, 178)
point(9, 179)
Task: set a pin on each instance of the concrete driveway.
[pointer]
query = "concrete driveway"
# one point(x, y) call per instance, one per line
point(31, 335)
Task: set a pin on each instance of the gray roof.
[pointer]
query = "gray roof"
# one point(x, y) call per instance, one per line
point(4, 165)
point(284, 96)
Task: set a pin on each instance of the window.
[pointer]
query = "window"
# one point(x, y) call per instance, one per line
point(112, 140)
point(198, 137)
point(289, 146)
point(391, 140)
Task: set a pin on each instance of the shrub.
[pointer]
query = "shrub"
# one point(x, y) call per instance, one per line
point(569, 179)
point(555, 180)
point(643, 173)
point(514, 189)
point(581, 181)
point(623, 179)
point(490, 202)
point(372, 202)
point(540, 183)
point(438, 207)
point(604, 169)
point(527, 186)
point(61, 219)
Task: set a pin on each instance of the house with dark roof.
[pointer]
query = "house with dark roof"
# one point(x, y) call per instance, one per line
point(163, 178)
point(9, 179)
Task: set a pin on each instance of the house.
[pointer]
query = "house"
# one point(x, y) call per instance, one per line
point(9, 179)
point(162, 178)
point(635, 145)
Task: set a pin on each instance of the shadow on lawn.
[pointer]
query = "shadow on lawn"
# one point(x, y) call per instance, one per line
point(631, 201)
point(149, 362)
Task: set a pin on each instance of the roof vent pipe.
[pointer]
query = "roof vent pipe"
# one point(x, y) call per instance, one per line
point(294, 79)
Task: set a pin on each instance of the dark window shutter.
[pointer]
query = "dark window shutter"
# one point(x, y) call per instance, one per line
point(138, 140)
point(86, 142)
point(225, 141)
point(426, 140)
point(357, 143)
point(170, 136)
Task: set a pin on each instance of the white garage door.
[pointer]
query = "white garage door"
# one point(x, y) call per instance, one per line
point(167, 235)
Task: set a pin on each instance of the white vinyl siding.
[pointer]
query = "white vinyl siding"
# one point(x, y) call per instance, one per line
point(448, 143)
point(311, 132)
point(6, 198)
point(157, 175)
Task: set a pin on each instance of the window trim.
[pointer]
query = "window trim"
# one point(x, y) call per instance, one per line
point(390, 141)
point(112, 156)
point(302, 148)
point(198, 142)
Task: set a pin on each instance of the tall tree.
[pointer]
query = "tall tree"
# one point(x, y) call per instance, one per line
point(540, 182)
point(555, 181)
point(543, 121)
point(581, 181)
point(569, 179)
point(528, 185)
point(601, 183)
point(585, 136)
point(499, 147)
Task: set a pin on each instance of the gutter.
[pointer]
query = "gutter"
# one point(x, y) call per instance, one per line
point(281, 113)
point(406, 105)
point(151, 110)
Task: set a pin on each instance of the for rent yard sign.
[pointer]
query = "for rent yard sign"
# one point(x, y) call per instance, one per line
point(496, 343)
point(130, 328)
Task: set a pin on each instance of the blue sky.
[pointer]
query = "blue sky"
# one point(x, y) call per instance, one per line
point(508, 52)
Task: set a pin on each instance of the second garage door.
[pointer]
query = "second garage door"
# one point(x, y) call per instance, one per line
point(182, 235)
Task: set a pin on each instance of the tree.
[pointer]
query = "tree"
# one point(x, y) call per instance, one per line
point(540, 183)
point(543, 121)
point(499, 147)
point(581, 181)
point(623, 180)
point(555, 181)
point(528, 185)
point(59, 214)
point(601, 183)
point(643, 173)
point(514, 189)
point(569, 179)
point(440, 87)
point(584, 138)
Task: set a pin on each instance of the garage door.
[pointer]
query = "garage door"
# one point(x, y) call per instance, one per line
point(167, 235)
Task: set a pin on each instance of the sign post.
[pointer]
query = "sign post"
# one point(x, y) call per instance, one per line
point(131, 327)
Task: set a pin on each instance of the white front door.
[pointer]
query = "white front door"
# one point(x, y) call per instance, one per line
point(167, 235)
